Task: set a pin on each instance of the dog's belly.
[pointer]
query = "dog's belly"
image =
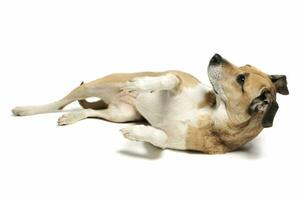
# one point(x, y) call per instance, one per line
point(152, 105)
point(171, 112)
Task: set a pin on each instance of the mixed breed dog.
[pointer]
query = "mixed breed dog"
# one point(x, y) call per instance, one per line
point(182, 113)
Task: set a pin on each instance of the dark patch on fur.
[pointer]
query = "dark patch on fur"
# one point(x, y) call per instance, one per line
point(280, 83)
point(92, 105)
point(268, 118)
point(211, 98)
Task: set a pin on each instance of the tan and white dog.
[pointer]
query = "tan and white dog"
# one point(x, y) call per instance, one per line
point(182, 112)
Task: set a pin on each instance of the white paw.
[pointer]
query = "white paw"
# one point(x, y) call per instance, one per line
point(132, 133)
point(133, 85)
point(141, 84)
point(69, 118)
point(127, 133)
point(169, 81)
point(23, 111)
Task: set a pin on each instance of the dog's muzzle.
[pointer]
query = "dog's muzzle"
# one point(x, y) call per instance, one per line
point(215, 72)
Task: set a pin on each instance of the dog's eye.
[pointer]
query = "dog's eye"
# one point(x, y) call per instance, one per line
point(241, 79)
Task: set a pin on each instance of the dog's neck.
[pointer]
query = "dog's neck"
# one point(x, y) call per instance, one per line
point(233, 134)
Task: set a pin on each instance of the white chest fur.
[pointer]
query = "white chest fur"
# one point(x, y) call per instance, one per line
point(172, 112)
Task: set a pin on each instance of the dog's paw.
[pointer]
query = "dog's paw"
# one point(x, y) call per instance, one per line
point(70, 118)
point(127, 133)
point(135, 84)
point(140, 84)
point(23, 111)
point(132, 133)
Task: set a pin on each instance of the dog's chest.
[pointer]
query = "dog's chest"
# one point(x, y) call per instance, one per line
point(168, 109)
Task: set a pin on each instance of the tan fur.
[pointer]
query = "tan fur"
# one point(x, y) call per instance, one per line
point(255, 82)
point(123, 77)
point(118, 80)
point(189, 116)
point(201, 137)
point(210, 137)
point(186, 80)
point(207, 138)
point(210, 100)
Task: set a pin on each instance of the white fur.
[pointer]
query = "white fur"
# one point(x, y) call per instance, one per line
point(144, 133)
point(165, 82)
point(172, 113)
point(154, 98)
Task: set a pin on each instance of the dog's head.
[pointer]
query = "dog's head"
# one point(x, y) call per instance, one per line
point(246, 91)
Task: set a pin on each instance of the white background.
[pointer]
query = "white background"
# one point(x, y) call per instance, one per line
point(48, 47)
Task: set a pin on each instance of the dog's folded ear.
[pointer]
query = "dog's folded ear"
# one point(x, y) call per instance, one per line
point(280, 83)
point(264, 104)
point(268, 118)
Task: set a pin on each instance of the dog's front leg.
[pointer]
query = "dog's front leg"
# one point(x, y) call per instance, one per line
point(164, 82)
point(144, 133)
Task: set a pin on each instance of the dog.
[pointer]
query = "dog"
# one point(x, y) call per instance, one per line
point(182, 113)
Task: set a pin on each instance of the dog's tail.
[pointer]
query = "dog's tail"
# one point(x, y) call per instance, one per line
point(97, 105)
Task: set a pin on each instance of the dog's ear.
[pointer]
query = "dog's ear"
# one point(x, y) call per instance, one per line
point(264, 104)
point(280, 83)
point(268, 118)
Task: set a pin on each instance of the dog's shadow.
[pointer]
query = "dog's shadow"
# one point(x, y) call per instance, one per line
point(249, 151)
point(150, 152)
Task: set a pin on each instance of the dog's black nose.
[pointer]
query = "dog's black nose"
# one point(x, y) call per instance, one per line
point(216, 59)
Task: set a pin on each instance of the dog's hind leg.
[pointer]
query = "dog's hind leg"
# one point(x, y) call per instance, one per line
point(105, 88)
point(78, 93)
point(116, 112)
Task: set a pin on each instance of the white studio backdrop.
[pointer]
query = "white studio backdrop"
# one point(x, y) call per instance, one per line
point(48, 47)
